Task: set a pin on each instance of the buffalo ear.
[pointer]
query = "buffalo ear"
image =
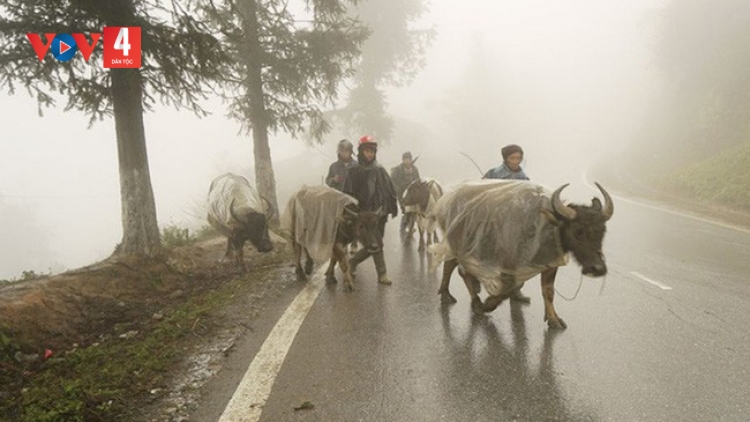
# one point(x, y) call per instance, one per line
point(596, 205)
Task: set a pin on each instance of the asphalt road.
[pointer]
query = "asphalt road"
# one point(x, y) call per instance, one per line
point(663, 338)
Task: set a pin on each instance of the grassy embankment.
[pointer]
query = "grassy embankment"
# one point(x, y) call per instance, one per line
point(106, 380)
point(722, 180)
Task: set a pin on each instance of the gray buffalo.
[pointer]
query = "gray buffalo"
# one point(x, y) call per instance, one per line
point(237, 211)
point(501, 233)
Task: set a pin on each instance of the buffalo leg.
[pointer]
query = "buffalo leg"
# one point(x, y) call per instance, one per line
point(471, 283)
point(445, 294)
point(492, 302)
point(421, 237)
point(309, 264)
point(330, 276)
point(548, 292)
point(229, 253)
point(239, 257)
point(339, 254)
point(301, 276)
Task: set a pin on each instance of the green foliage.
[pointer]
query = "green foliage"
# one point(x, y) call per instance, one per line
point(287, 69)
point(26, 275)
point(721, 179)
point(96, 383)
point(173, 236)
point(179, 55)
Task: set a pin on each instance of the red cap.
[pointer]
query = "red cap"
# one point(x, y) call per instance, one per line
point(367, 139)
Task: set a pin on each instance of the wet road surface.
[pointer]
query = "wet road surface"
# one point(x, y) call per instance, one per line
point(665, 338)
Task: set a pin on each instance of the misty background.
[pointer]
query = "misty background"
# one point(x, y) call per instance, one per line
point(575, 83)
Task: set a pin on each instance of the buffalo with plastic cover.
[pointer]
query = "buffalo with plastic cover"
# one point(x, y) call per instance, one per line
point(321, 222)
point(502, 233)
point(312, 217)
point(237, 211)
point(419, 201)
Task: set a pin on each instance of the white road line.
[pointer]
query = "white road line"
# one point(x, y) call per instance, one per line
point(246, 405)
point(654, 282)
point(668, 210)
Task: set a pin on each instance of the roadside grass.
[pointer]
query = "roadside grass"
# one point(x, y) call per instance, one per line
point(105, 381)
point(723, 179)
point(95, 382)
point(173, 236)
point(25, 276)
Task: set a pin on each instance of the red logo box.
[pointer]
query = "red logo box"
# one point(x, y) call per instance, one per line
point(122, 46)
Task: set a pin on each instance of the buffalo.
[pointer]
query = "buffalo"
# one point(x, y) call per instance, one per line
point(418, 201)
point(501, 233)
point(237, 211)
point(321, 222)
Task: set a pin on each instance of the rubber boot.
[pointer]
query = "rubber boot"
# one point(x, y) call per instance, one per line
point(379, 259)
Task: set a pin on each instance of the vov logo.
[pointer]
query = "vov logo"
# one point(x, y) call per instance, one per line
point(122, 46)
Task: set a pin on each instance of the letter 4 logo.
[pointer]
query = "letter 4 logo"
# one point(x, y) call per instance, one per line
point(122, 46)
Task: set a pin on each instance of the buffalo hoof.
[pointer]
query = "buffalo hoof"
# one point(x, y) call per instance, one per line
point(331, 279)
point(556, 324)
point(447, 298)
point(301, 275)
point(309, 266)
point(517, 296)
point(348, 288)
point(421, 247)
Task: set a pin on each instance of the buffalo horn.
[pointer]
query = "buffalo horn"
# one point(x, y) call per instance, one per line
point(609, 206)
point(270, 214)
point(560, 208)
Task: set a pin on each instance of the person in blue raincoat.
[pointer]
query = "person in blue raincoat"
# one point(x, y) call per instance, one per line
point(511, 166)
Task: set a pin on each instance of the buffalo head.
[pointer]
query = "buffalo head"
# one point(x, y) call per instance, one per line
point(348, 230)
point(255, 229)
point(369, 229)
point(582, 230)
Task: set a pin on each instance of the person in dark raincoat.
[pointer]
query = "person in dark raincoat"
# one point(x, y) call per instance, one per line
point(370, 184)
point(337, 171)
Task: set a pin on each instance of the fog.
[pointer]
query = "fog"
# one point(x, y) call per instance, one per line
point(569, 81)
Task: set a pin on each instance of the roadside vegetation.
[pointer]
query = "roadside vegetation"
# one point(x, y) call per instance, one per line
point(723, 179)
point(116, 351)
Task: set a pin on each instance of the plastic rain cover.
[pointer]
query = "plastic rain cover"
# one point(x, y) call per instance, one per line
point(497, 227)
point(226, 188)
point(311, 219)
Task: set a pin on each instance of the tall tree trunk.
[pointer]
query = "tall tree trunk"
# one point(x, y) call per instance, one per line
point(265, 180)
point(140, 232)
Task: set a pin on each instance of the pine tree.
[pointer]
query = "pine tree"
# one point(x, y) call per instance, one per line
point(178, 57)
point(287, 68)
